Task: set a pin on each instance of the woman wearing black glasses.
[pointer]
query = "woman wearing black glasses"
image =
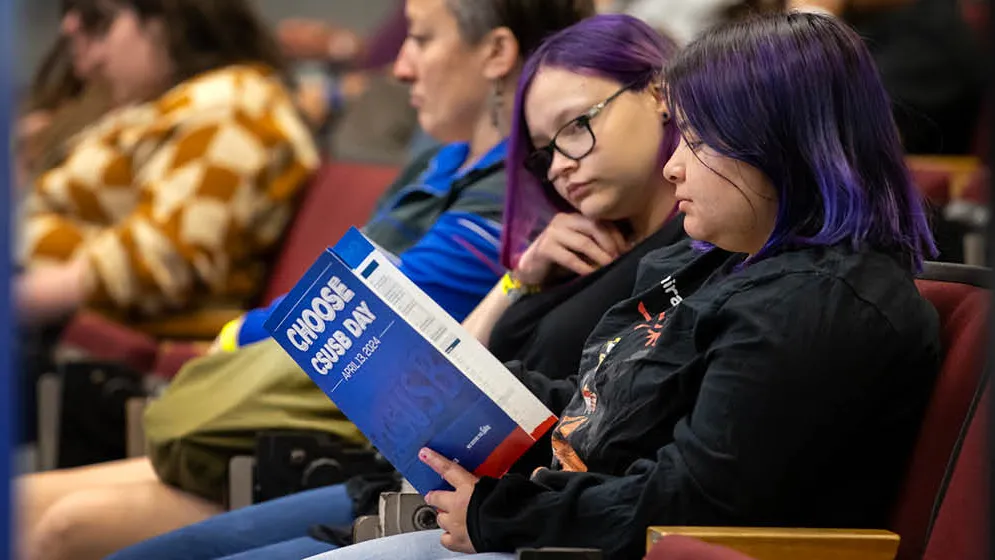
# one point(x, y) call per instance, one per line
point(586, 196)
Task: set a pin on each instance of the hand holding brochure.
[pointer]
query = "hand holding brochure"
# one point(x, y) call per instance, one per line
point(404, 371)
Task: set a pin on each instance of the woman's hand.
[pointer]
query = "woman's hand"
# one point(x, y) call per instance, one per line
point(571, 242)
point(451, 506)
point(52, 292)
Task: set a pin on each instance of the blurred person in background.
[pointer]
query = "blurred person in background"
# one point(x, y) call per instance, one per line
point(59, 104)
point(930, 60)
point(931, 64)
point(64, 98)
point(346, 88)
point(347, 60)
point(171, 202)
point(442, 218)
point(341, 47)
point(683, 20)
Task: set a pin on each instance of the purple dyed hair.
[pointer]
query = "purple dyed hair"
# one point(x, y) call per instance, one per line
point(616, 47)
point(797, 96)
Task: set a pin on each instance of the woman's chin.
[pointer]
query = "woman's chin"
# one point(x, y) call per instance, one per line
point(695, 231)
point(599, 210)
point(426, 123)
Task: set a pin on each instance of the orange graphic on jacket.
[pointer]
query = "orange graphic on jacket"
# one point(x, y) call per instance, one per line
point(654, 327)
point(564, 452)
point(562, 449)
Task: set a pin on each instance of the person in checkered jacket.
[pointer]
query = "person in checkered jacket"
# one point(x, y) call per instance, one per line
point(171, 202)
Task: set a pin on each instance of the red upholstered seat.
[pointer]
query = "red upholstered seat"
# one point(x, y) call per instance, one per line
point(96, 337)
point(343, 195)
point(933, 183)
point(961, 527)
point(957, 293)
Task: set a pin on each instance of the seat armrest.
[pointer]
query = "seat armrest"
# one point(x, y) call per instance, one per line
point(762, 543)
point(135, 429)
point(241, 478)
point(203, 324)
point(91, 335)
point(49, 418)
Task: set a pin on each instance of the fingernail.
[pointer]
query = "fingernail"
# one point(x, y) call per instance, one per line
point(423, 454)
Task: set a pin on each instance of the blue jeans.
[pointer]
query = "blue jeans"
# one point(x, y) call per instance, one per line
point(251, 529)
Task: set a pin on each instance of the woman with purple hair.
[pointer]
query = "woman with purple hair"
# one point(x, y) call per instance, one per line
point(588, 198)
point(775, 375)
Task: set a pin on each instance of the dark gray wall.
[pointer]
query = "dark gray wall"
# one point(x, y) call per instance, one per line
point(40, 21)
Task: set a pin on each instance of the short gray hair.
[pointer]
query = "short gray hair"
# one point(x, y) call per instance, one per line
point(475, 18)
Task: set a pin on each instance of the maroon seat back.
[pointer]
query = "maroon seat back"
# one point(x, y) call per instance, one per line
point(96, 337)
point(977, 15)
point(960, 529)
point(341, 195)
point(961, 299)
point(933, 184)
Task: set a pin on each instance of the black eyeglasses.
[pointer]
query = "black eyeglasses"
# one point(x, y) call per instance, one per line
point(574, 140)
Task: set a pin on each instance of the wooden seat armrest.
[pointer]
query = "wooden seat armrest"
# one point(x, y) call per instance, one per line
point(204, 324)
point(960, 168)
point(791, 544)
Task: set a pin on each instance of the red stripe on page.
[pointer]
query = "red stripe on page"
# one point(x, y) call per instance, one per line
point(505, 454)
point(544, 427)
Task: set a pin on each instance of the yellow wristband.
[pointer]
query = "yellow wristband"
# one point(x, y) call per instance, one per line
point(228, 337)
point(511, 286)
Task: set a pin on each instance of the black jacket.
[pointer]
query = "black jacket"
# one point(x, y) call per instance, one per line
point(786, 393)
point(547, 331)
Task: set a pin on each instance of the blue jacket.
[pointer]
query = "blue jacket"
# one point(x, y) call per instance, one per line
point(441, 221)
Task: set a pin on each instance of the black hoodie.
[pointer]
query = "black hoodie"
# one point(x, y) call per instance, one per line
point(784, 393)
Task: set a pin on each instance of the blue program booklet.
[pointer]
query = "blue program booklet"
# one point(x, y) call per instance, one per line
point(400, 368)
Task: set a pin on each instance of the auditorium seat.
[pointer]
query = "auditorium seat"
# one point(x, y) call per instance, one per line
point(961, 296)
point(960, 529)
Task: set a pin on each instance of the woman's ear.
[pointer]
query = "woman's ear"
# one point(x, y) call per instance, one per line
point(656, 90)
point(501, 53)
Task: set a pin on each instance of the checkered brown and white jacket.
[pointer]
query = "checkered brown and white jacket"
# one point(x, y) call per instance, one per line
point(176, 202)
